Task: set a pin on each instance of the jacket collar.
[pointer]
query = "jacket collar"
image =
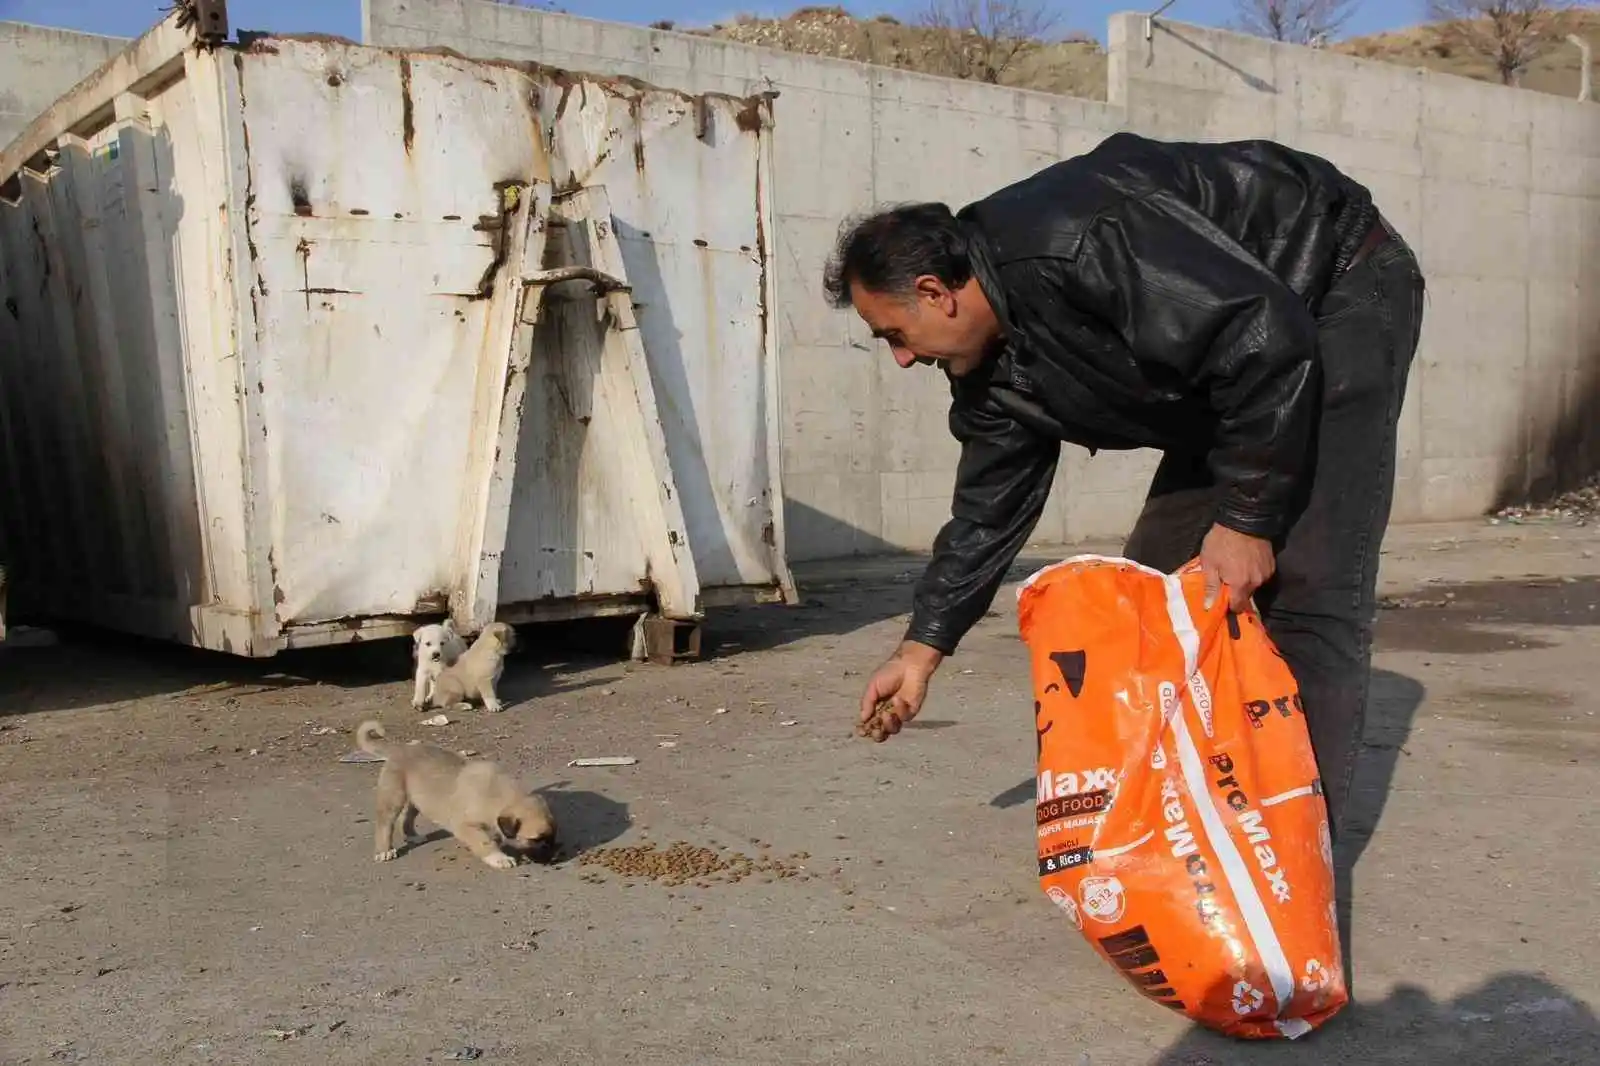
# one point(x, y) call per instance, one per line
point(988, 278)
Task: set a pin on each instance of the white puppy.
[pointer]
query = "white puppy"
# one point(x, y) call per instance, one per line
point(433, 647)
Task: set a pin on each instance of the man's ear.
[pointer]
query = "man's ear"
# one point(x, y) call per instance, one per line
point(931, 290)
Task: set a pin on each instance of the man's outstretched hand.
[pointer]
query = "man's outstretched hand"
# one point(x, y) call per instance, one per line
point(903, 681)
point(1241, 562)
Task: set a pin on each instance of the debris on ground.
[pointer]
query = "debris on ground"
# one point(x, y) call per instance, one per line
point(360, 756)
point(605, 760)
point(1411, 603)
point(1581, 504)
point(438, 719)
point(465, 1054)
point(324, 731)
point(528, 943)
point(683, 863)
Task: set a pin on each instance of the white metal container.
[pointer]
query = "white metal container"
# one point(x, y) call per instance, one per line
point(306, 342)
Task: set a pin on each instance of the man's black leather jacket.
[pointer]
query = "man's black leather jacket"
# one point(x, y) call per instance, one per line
point(1152, 295)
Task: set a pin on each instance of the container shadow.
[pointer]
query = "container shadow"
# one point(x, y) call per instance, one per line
point(84, 667)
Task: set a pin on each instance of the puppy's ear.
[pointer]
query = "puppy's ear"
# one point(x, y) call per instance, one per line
point(509, 826)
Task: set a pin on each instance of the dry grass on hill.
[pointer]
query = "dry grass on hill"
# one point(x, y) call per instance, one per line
point(1076, 66)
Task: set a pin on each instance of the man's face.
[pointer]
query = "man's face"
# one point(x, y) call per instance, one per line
point(936, 324)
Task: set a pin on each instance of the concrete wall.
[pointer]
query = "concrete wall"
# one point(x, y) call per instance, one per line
point(1498, 189)
point(38, 65)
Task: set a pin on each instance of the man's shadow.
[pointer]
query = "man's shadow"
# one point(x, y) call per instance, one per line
point(1391, 709)
point(1512, 1018)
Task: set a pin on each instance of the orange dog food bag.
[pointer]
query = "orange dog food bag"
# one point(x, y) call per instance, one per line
point(1180, 819)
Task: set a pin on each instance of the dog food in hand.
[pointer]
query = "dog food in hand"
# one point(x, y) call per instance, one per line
point(878, 726)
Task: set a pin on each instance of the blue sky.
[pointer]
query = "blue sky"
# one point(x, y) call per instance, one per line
point(131, 17)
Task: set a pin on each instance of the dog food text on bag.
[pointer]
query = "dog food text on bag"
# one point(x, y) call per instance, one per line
point(1180, 821)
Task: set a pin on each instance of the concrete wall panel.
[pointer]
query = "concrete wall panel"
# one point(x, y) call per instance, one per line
point(38, 65)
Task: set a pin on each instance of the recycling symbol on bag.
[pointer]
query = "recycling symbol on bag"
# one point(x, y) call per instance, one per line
point(1066, 903)
point(1247, 998)
point(1316, 978)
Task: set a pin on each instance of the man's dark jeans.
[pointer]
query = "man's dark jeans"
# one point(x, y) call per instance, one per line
point(1320, 606)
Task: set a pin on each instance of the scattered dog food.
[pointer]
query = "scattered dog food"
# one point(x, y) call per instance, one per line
point(683, 864)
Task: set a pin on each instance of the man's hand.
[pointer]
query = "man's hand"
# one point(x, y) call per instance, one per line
point(903, 680)
point(1237, 560)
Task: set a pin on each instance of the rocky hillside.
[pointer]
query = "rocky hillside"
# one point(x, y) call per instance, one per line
point(1426, 46)
point(1076, 66)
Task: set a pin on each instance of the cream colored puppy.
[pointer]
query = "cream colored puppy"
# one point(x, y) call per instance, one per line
point(433, 647)
point(474, 799)
point(476, 673)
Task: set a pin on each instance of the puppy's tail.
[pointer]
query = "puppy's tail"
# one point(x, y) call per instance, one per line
point(371, 738)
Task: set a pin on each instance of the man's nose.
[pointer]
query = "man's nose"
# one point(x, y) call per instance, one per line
point(905, 357)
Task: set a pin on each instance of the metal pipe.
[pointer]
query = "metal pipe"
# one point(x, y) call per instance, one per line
point(602, 281)
point(1586, 75)
point(1150, 19)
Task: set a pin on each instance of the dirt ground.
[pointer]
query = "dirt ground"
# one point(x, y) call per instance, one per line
point(187, 867)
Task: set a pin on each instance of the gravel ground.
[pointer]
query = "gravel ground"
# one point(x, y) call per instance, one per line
point(188, 871)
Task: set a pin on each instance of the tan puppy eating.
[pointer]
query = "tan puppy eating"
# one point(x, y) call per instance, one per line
point(475, 674)
point(477, 802)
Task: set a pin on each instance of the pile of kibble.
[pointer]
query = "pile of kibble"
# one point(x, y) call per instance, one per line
point(685, 864)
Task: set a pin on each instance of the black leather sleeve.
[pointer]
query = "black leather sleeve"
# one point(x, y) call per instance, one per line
point(1188, 300)
point(1002, 483)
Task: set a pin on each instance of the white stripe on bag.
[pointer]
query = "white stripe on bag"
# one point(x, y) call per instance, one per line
point(1194, 775)
point(1109, 853)
point(1293, 793)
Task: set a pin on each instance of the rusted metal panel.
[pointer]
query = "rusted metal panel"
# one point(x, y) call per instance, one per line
point(688, 181)
point(277, 368)
point(594, 506)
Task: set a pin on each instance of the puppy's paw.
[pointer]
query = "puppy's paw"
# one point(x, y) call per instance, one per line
point(494, 708)
point(385, 856)
point(500, 860)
